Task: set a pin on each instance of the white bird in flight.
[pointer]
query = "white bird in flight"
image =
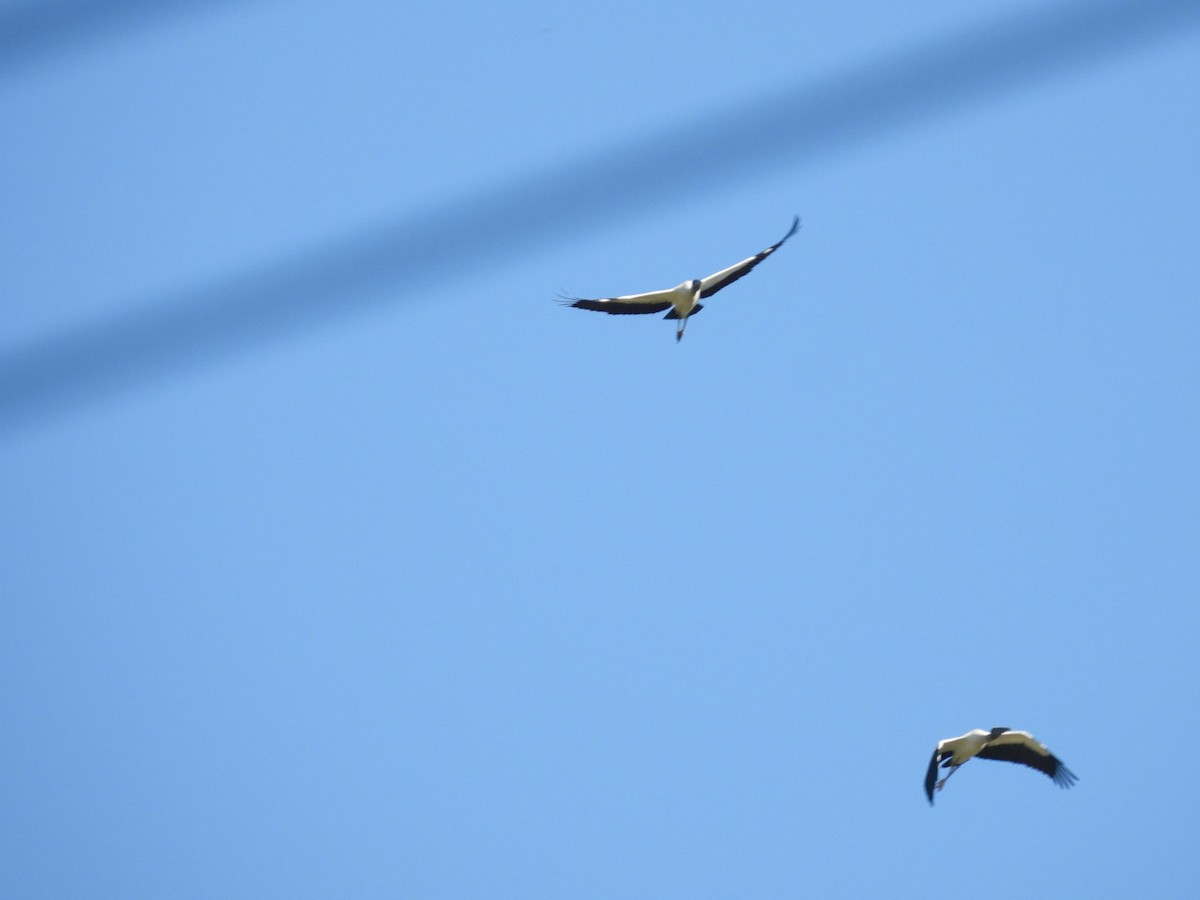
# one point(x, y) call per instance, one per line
point(999, 743)
point(683, 299)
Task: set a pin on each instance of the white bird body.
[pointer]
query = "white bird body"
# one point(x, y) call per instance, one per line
point(964, 746)
point(999, 743)
point(683, 300)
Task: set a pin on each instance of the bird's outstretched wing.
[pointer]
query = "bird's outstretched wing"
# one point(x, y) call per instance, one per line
point(628, 305)
point(1021, 747)
point(931, 775)
point(718, 280)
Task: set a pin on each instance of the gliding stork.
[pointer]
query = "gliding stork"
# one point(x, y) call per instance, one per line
point(683, 299)
point(999, 743)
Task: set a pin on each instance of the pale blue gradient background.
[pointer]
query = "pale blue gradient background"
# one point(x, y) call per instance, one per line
point(463, 594)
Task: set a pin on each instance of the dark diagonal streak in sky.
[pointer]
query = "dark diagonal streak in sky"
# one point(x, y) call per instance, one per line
point(40, 31)
point(419, 248)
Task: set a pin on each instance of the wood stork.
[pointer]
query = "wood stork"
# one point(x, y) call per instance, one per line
point(999, 743)
point(683, 299)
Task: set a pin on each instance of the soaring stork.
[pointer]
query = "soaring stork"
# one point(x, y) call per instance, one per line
point(999, 743)
point(683, 299)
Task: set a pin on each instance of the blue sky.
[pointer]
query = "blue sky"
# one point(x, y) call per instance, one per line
point(448, 591)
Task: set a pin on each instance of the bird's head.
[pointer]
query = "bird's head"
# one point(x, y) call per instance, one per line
point(996, 732)
point(696, 285)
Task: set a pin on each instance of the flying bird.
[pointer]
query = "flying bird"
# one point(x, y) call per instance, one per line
point(999, 743)
point(683, 299)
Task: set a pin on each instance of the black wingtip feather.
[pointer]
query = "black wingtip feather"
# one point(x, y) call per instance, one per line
point(1063, 776)
point(931, 776)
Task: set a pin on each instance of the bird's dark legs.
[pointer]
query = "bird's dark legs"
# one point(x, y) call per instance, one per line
point(941, 784)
